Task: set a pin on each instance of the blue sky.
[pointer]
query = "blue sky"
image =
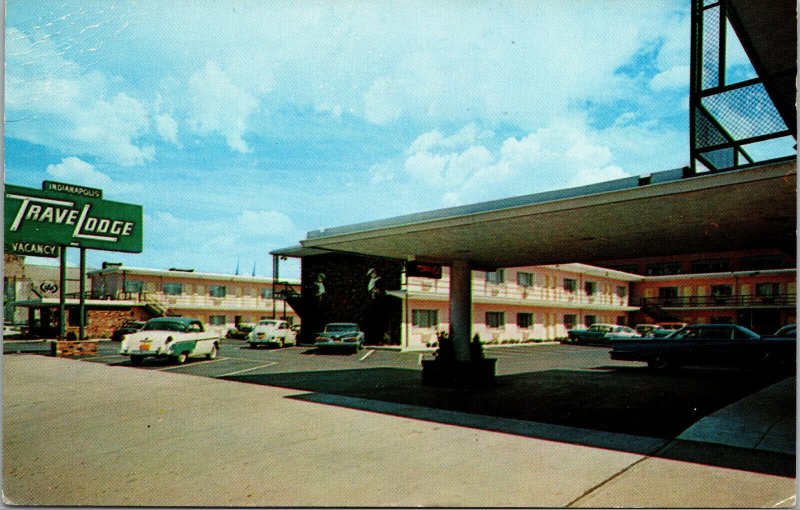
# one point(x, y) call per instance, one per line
point(240, 125)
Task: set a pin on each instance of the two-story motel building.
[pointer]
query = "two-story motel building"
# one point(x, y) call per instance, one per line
point(120, 293)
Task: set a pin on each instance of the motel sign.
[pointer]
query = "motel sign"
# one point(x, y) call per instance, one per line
point(38, 222)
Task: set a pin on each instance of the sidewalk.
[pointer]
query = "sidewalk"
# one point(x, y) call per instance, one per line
point(79, 433)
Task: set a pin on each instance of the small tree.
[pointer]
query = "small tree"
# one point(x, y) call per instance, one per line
point(446, 352)
point(476, 348)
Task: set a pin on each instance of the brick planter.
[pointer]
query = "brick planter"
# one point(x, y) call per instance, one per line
point(477, 373)
point(68, 348)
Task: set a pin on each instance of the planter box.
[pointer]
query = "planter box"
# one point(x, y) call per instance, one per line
point(473, 373)
point(73, 347)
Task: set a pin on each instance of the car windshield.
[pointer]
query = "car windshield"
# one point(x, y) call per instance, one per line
point(269, 324)
point(340, 328)
point(165, 326)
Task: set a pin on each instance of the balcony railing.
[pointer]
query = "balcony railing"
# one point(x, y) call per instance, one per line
point(776, 301)
point(187, 300)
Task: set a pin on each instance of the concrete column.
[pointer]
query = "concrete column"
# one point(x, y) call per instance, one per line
point(461, 308)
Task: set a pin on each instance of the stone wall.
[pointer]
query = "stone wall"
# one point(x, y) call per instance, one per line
point(103, 322)
point(348, 288)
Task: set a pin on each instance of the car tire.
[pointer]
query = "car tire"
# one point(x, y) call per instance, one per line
point(136, 360)
point(180, 359)
point(659, 362)
point(213, 353)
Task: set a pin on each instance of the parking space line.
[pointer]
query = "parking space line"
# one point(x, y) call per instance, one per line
point(247, 369)
point(193, 364)
point(366, 355)
point(103, 357)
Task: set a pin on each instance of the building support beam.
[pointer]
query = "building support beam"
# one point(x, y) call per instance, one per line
point(461, 308)
point(62, 295)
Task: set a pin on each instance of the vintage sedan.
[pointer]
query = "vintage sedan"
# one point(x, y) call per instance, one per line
point(176, 338)
point(239, 332)
point(272, 332)
point(127, 328)
point(600, 333)
point(341, 335)
point(710, 344)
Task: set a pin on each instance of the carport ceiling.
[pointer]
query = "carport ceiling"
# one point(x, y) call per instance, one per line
point(767, 30)
point(751, 208)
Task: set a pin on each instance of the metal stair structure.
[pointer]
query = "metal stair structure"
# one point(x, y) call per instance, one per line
point(154, 306)
point(656, 312)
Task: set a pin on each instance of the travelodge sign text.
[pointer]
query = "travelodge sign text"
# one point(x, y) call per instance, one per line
point(38, 221)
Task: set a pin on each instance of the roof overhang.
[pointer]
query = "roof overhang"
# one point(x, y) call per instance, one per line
point(767, 30)
point(664, 214)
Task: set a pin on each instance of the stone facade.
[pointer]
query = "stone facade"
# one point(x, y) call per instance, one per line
point(348, 288)
point(103, 322)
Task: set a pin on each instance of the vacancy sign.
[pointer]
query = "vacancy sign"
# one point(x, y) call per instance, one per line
point(38, 222)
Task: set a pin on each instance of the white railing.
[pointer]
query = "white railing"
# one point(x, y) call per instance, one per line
point(203, 301)
point(515, 292)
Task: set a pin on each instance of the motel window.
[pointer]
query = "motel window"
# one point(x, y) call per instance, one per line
point(173, 289)
point(768, 289)
point(133, 286)
point(722, 290)
point(620, 320)
point(590, 288)
point(667, 294)
point(761, 262)
point(425, 318)
point(664, 268)
point(626, 268)
point(498, 276)
point(496, 319)
point(217, 291)
point(710, 266)
point(622, 291)
point(266, 293)
point(589, 320)
point(525, 279)
point(570, 284)
point(570, 320)
point(217, 320)
point(524, 320)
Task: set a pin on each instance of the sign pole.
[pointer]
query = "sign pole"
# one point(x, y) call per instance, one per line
point(62, 299)
point(82, 298)
point(275, 276)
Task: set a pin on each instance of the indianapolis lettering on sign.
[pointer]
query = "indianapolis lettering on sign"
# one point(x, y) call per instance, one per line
point(63, 215)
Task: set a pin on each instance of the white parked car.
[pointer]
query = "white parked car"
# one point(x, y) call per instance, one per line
point(272, 332)
point(177, 338)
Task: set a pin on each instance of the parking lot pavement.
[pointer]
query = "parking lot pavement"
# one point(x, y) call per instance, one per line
point(304, 422)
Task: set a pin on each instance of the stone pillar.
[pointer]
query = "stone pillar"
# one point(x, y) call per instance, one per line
point(461, 308)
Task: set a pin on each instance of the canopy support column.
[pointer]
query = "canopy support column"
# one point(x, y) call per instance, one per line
point(461, 308)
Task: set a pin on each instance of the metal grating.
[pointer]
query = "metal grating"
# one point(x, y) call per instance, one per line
point(745, 112)
point(729, 119)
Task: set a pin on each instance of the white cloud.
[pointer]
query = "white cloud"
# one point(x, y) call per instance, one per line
point(672, 78)
point(167, 128)
point(562, 155)
point(55, 102)
point(73, 170)
point(218, 105)
point(265, 223)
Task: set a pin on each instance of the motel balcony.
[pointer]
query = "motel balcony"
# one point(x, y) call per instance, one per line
point(511, 293)
point(741, 301)
point(189, 301)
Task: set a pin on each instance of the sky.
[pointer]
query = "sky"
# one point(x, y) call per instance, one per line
point(240, 125)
